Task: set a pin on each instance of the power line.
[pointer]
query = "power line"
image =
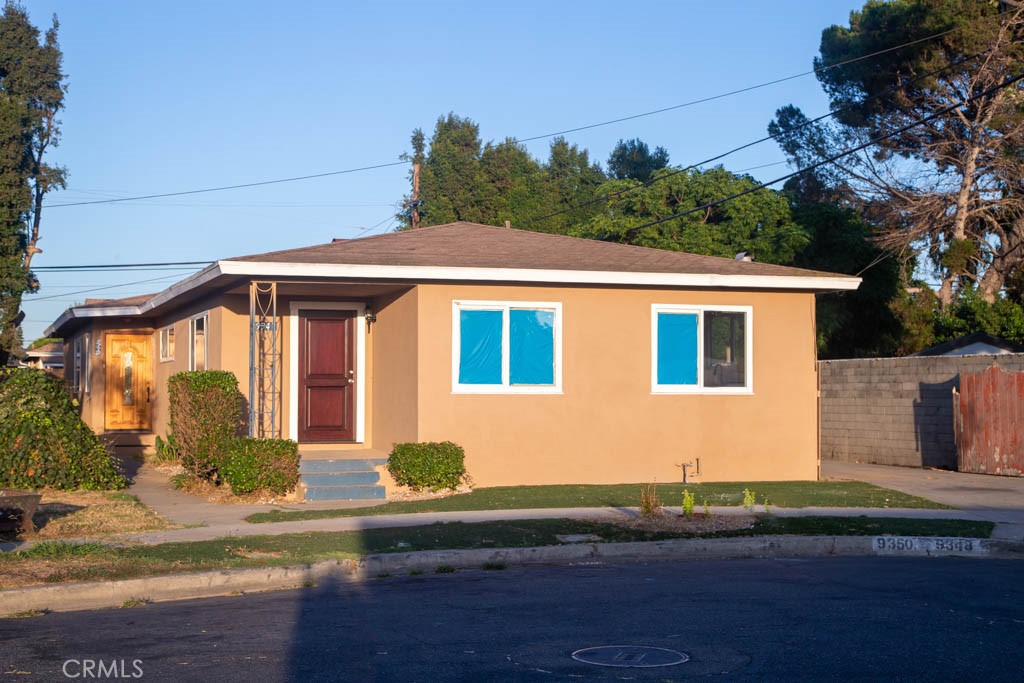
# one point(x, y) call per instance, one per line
point(118, 266)
point(829, 160)
point(97, 289)
point(227, 187)
point(529, 139)
point(742, 90)
point(718, 157)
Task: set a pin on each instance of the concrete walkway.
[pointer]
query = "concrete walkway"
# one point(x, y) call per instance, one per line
point(979, 496)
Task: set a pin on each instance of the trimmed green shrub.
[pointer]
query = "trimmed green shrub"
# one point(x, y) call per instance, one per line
point(206, 413)
point(428, 465)
point(260, 465)
point(43, 441)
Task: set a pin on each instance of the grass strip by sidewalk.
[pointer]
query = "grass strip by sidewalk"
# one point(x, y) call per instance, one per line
point(58, 562)
point(790, 494)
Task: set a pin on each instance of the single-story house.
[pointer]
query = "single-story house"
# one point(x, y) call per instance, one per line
point(49, 357)
point(550, 359)
point(974, 344)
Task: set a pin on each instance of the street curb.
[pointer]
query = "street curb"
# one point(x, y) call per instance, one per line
point(104, 594)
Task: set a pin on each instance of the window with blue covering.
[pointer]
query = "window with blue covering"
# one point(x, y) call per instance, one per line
point(506, 347)
point(701, 349)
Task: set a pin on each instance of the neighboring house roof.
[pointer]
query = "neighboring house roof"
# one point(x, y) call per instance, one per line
point(973, 344)
point(479, 253)
point(48, 355)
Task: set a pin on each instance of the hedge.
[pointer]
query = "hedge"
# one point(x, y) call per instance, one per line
point(207, 412)
point(44, 442)
point(427, 465)
point(260, 465)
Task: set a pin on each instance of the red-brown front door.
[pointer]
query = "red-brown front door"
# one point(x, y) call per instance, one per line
point(327, 376)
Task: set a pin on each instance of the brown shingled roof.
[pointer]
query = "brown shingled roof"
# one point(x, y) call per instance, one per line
point(126, 301)
point(471, 245)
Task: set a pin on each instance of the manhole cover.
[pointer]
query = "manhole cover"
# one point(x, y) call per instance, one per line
point(629, 656)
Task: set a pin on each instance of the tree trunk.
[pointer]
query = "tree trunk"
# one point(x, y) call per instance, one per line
point(1008, 259)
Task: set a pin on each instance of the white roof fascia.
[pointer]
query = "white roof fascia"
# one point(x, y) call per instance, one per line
point(171, 292)
point(598, 277)
point(431, 273)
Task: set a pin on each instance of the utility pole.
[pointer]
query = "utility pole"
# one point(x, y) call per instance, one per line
point(415, 203)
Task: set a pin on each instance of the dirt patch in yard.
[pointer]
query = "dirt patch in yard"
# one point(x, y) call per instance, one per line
point(76, 514)
point(697, 523)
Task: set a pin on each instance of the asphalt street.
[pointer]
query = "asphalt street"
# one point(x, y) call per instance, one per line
point(812, 619)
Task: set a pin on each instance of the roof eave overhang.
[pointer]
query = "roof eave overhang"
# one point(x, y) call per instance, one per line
point(177, 289)
point(824, 283)
point(270, 269)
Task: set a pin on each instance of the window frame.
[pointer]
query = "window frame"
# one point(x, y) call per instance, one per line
point(86, 350)
point(699, 310)
point(167, 333)
point(505, 306)
point(76, 367)
point(205, 317)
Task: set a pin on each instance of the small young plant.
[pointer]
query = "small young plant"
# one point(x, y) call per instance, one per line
point(767, 505)
point(687, 503)
point(749, 499)
point(707, 508)
point(649, 503)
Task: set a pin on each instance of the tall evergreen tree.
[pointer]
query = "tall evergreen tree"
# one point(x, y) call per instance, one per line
point(633, 159)
point(31, 96)
point(946, 178)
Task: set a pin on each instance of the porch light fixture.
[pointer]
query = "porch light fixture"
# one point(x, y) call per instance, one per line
point(371, 318)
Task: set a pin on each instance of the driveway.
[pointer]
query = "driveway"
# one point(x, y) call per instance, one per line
point(993, 498)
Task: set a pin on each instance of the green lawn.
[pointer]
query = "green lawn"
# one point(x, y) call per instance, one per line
point(59, 561)
point(793, 494)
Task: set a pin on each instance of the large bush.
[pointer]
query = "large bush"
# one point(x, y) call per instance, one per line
point(430, 465)
point(260, 465)
point(43, 441)
point(207, 412)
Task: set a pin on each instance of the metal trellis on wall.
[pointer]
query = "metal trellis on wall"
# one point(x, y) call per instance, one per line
point(264, 397)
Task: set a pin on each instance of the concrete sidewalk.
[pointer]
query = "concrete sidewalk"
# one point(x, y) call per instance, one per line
point(979, 496)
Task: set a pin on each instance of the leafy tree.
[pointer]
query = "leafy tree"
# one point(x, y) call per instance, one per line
point(31, 96)
point(760, 222)
point(951, 185)
point(850, 324)
point(632, 159)
point(462, 179)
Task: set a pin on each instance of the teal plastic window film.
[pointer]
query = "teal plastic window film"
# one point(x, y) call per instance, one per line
point(531, 346)
point(480, 334)
point(677, 349)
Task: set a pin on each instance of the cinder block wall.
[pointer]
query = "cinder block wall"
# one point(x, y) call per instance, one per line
point(896, 411)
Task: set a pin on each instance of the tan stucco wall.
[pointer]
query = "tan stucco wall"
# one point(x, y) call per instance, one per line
point(606, 426)
point(394, 372)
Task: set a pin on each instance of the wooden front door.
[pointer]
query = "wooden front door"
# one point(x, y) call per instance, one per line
point(327, 375)
point(129, 382)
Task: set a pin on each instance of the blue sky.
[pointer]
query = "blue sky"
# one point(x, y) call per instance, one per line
point(173, 96)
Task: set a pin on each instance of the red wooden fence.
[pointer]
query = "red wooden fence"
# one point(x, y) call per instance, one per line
point(988, 422)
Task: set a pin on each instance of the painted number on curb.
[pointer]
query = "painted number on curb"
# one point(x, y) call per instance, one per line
point(928, 545)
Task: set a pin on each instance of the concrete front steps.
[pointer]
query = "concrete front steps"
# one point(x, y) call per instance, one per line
point(336, 477)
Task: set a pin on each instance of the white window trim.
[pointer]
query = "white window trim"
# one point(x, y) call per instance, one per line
point(699, 388)
point(86, 341)
point(505, 387)
point(293, 361)
point(76, 367)
point(169, 329)
point(192, 340)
